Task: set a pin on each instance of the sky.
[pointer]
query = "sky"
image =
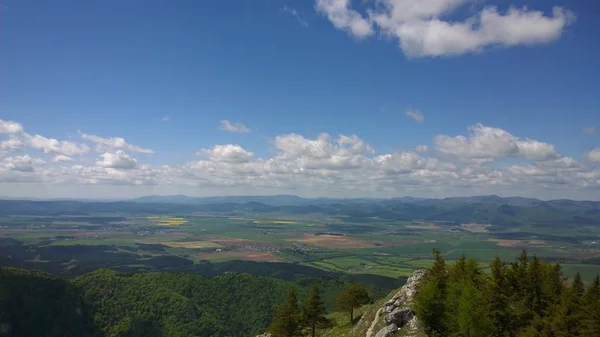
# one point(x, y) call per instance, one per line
point(336, 98)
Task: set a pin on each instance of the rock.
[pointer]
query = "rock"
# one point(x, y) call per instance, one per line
point(400, 316)
point(266, 334)
point(387, 331)
point(5, 328)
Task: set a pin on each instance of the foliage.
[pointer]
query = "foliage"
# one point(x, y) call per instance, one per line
point(352, 297)
point(527, 298)
point(313, 312)
point(107, 303)
point(287, 318)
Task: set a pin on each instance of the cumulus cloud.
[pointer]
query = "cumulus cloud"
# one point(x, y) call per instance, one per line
point(21, 163)
point(113, 143)
point(415, 115)
point(19, 140)
point(421, 27)
point(10, 127)
point(344, 18)
point(484, 160)
point(56, 147)
point(227, 153)
point(589, 130)
point(422, 148)
point(488, 143)
point(236, 128)
point(117, 160)
point(12, 144)
point(61, 158)
point(594, 155)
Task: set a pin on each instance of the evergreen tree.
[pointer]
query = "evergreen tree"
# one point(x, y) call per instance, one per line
point(352, 297)
point(472, 314)
point(286, 320)
point(567, 321)
point(431, 298)
point(313, 312)
point(591, 319)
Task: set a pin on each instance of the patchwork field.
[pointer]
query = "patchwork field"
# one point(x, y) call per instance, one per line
point(342, 244)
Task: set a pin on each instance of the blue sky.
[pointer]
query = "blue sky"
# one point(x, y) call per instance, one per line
point(163, 75)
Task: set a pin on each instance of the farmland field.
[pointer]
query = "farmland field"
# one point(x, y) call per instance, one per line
point(340, 243)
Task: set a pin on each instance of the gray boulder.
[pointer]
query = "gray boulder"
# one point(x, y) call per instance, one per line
point(399, 316)
point(388, 331)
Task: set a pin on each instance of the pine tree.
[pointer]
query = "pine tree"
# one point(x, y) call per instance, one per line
point(472, 314)
point(567, 321)
point(286, 320)
point(591, 319)
point(498, 296)
point(352, 297)
point(313, 312)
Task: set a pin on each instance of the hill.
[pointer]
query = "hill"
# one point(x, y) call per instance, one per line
point(107, 303)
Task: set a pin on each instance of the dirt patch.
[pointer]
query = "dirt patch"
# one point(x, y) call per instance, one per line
point(248, 256)
point(517, 243)
point(334, 241)
point(192, 244)
point(506, 243)
point(474, 227)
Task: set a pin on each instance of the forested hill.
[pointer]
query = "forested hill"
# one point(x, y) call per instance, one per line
point(106, 303)
point(494, 210)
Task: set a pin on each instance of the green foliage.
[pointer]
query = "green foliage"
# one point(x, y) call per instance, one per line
point(287, 318)
point(110, 304)
point(313, 312)
point(527, 298)
point(352, 297)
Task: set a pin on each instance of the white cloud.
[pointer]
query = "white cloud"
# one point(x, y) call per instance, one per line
point(12, 144)
point(113, 143)
point(10, 127)
point(118, 160)
point(294, 13)
point(165, 119)
point(415, 115)
point(237, 127)
point(589, 130)
point(344, 18)
point(61, 158)
point(421, 30)
point(227, 153)
point(594, 155)
point(487, 143)
point(422, 148)
point(21, 163)
point(485, 160)
point(55, 147)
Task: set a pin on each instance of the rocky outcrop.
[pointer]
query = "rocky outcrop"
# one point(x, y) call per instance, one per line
point(387, 331)
point(398, 311)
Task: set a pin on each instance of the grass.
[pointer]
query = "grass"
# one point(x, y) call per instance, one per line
point(587, 271)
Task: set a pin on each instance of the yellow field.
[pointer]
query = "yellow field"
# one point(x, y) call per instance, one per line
point(167, 221)
point(274, 222)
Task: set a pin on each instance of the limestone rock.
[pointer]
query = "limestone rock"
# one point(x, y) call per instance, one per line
point(400, 316)
point(387, 331)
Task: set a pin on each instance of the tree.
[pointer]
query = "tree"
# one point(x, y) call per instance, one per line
point(313, 312)
point(592, 309)
point(351, 297)
point(472, 314)
point(286, 320)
